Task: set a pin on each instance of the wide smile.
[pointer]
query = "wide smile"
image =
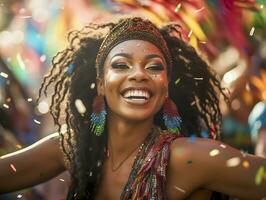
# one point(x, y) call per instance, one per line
point(138, 96)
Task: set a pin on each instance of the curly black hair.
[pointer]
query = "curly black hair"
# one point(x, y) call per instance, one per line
point(194, 87)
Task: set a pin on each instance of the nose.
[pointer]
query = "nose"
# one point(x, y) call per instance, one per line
point(139, 74)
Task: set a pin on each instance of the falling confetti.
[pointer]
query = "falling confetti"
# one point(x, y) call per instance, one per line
point(8, 99)
point(223, 146)
point(259, 175)
point(36, 121)
point(6, 106)
point(196, 11)
point(20, 62)
point(178, 7)
point(190, 33)
point(245, 164)
point(18, 146)
point(13, 168)
point(233, 162)
point(214, 152)
point(61, 179)
point(4, 75)
point(92, 86)
point(199, 79)
point(180, 189)
point(19, 196)
point(80, 106)
point(177, 81)
point(252, 31)
point(261, 6)
point(192, 103)
point(29, 99)
point(43, 58)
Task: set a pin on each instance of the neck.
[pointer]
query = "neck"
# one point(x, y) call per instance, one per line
point(124, 136)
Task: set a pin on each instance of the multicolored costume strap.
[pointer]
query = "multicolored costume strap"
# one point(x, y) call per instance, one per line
point(148, 176)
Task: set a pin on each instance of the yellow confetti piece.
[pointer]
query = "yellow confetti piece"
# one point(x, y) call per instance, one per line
point(259, 175)
point(178, 7)
point(233, 162)
point(18, 146)
point(252, 31)
point(13, 168)
point(214, 152)
point(177, 81)
point(4, 75)
point(245, 164)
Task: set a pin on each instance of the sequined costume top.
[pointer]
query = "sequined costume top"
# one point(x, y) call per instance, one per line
point(147, 179)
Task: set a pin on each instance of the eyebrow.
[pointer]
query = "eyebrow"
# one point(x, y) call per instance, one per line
point(150, 56)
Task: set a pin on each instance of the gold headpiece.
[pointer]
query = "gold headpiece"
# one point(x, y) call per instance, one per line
point(130, 29)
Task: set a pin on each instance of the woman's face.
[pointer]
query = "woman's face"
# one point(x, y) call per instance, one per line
point(135, 81)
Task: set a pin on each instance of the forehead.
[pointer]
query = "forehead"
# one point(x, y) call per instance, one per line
point(132, 47)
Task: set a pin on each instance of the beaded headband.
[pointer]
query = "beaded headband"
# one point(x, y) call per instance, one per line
point(130, 29)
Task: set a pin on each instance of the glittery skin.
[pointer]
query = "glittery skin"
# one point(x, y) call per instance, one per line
point(130, 29)
point(147, 179)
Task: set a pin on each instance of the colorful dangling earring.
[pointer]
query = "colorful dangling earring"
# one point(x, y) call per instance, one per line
point(98, 115)
point(172, 119)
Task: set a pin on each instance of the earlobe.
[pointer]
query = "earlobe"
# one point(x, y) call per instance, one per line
point(100, 86)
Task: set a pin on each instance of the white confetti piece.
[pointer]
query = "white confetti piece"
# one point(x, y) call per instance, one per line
point(19, 196)
point(178, 7)
point(196, 11)
point(6, 106)
point(13, 167)
point(252, 31)
point(190, 33)
point(223, 146)
point(80, 106)
point(20, 62)
point(92, 86)
point(4, 75)
point(29, 99)
point(61, 179)
point(233, 162)
point(214, 152)
point(179, 189)
point(43, 58)
point(199, 79)
point(36, 121)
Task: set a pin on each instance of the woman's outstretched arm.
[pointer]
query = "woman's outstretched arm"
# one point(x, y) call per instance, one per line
point(32, 165)
point(215, 166)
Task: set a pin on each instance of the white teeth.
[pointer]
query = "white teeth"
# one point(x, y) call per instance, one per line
point(136, 93)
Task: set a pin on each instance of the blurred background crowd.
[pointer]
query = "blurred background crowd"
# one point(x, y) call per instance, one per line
point(230, 34)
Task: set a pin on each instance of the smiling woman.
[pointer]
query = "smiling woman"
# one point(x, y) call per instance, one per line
point(123, 138)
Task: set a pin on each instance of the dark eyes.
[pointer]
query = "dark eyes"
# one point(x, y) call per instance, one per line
point(152, 67)
point(155, 67)
point(119, 66)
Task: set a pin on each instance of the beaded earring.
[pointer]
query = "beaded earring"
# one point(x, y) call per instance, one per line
point(172, 119)
point(98, 116)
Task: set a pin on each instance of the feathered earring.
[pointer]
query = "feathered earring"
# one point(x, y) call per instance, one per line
point(172, 119)
point(98, 116)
